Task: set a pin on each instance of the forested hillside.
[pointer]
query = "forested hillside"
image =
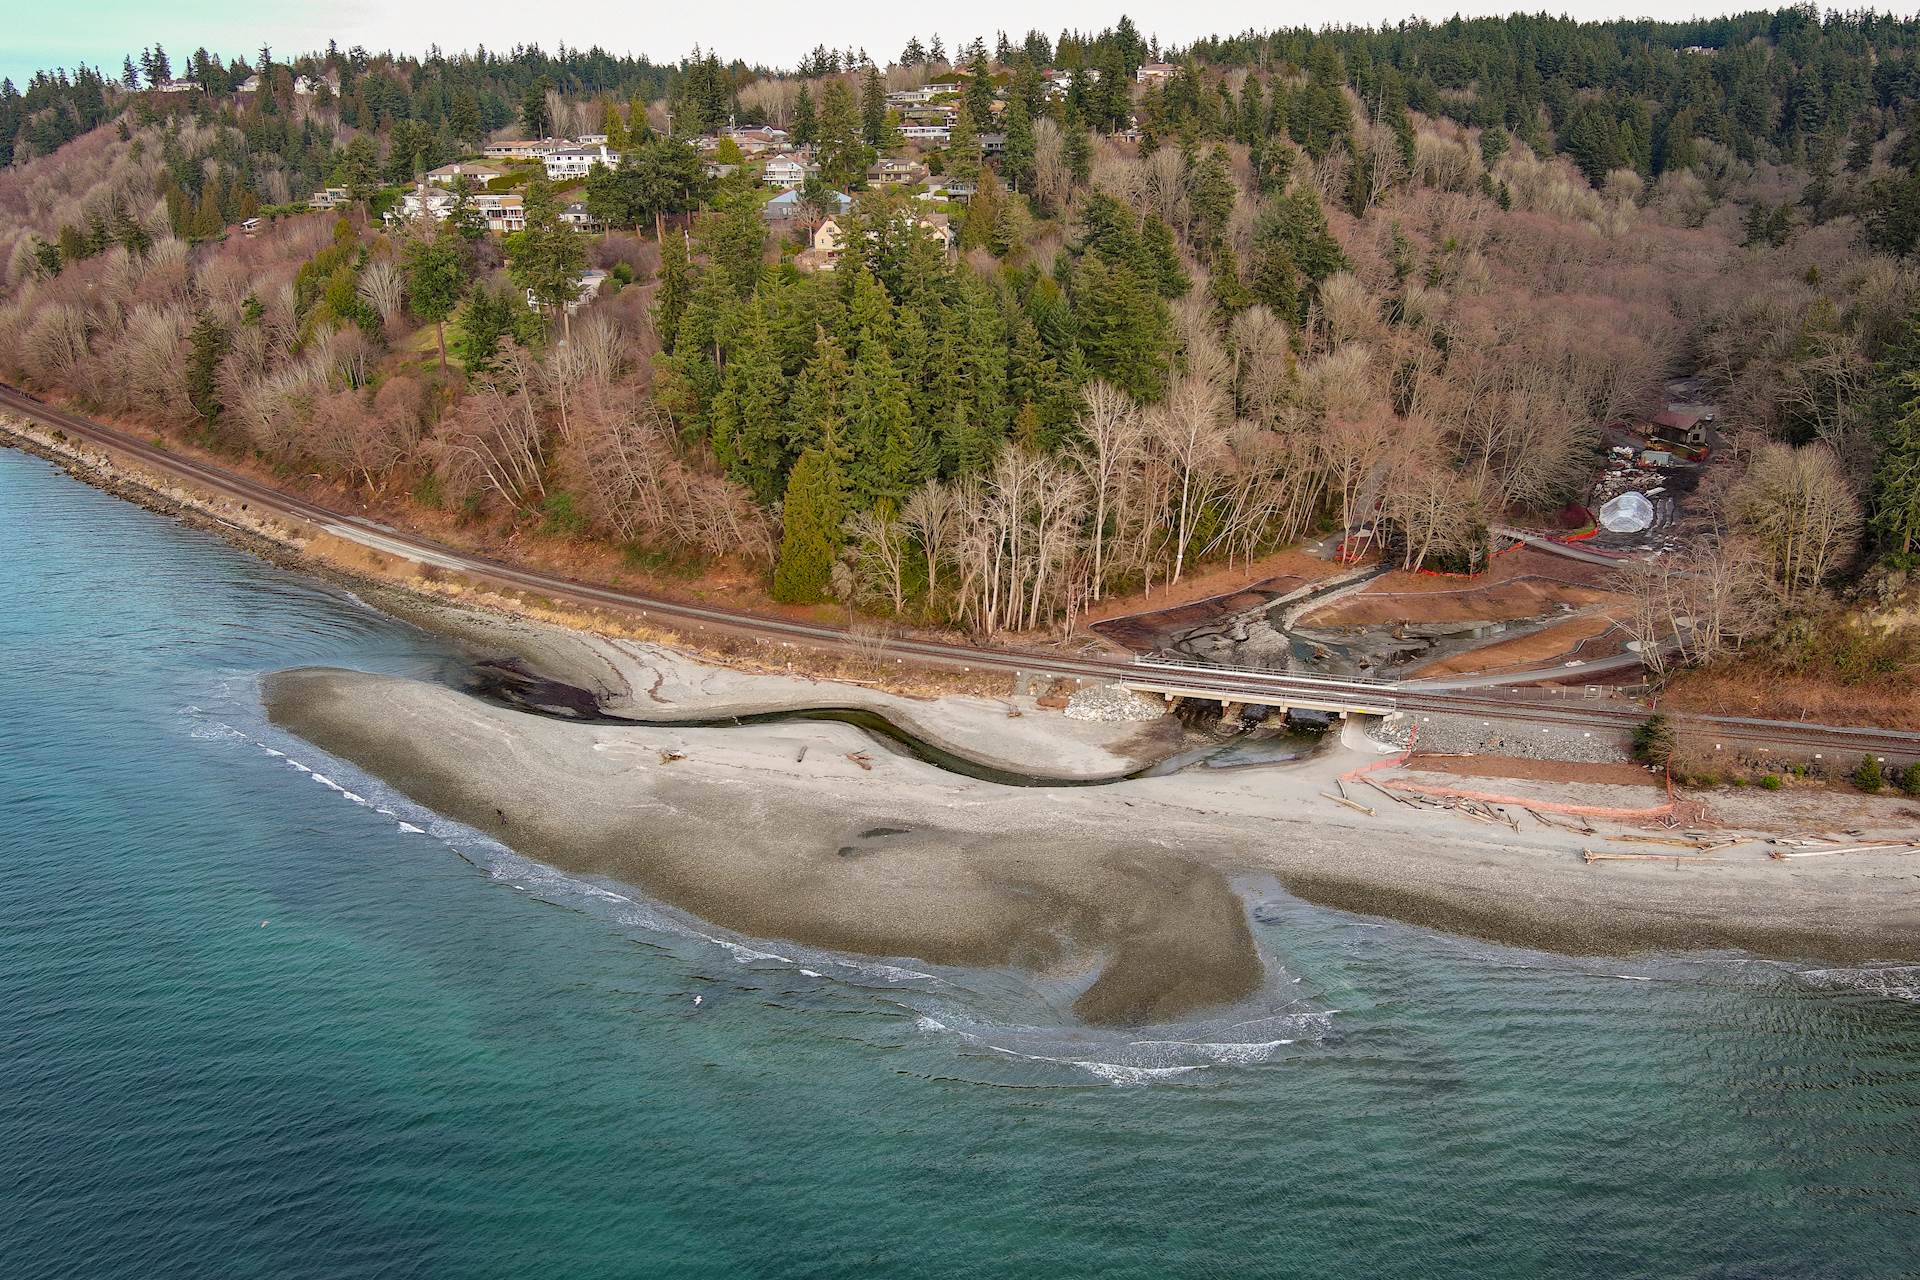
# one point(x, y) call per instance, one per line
point(1200, 303)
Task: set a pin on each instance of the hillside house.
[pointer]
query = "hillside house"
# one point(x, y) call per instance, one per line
point(590, 282)
point(525, 149)
point(830, 241)
point(1154, 72)
point(788, 208)
point(505, 212)
point(761, 138)
point(476, 173)
point(575, 162)
point(329, 198)
point(993, 144)
point(892, 171)
point(786, 173)
point(423, 201)
point(580, 218)
point(939, 134)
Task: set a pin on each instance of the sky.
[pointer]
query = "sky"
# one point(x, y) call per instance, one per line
point(101, 32)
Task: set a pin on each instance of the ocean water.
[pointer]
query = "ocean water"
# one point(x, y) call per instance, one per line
point(260, 1017)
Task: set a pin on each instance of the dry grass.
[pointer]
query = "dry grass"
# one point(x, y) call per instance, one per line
point(1754, 688)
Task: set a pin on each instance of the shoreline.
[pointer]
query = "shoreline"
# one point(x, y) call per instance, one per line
point(1132, 915)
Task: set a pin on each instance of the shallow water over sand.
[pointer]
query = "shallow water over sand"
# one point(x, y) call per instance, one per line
point(257, 1015)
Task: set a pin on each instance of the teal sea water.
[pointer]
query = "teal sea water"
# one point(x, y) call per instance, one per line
point(258, 1017)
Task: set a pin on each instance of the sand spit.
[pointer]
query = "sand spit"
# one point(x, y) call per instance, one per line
point(773, 831)
point(777, 831)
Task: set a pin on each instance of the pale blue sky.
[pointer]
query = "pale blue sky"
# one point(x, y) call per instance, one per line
point(41, 34)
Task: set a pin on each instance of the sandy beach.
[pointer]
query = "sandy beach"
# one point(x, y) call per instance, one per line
point(815, 832)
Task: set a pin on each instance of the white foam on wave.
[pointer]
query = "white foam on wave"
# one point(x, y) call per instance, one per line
point(891, 972)
point(412, 830)
point(1231, 1052)
point(1894, 981)
point(1115, 1073)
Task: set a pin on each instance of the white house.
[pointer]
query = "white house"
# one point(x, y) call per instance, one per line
point(1151, 72)
point(424, 200)
point(590, 282)
point(787, 172)
point(941, 133)
point(574, 162)
point(579, 217)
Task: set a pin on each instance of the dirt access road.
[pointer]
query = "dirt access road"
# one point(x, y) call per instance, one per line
point(1504, 706)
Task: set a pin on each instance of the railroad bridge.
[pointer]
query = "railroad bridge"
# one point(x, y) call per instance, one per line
point(1183, 678)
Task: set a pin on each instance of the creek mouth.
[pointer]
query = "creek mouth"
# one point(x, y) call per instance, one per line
point(514, 684)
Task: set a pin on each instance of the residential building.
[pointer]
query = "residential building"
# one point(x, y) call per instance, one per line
point(830, 241)
point(592, 139)
point(575, 162)
point(476, 173)
point(993, 144)
point(590, 282)
point(525, 149)
point(505, 212)
point(937, 133)
point(579, 217)
point(1153, 72)
point(787, 172)
point(891, 171)
point(758, 139)
point(423, 200)
point(329, 198)
point(788, 207)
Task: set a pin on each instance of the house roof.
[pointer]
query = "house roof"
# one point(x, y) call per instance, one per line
point(1677, 419)
point(788, 199)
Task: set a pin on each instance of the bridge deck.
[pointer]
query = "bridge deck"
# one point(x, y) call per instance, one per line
point(1340, 703)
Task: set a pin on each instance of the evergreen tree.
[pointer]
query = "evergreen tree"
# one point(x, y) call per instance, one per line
point(1210, 192)
point(873, 108)
point(745, 425)
point(817, 408)
point(1124, 330)
point(547, 258)
point(979, 95)
point(805, 128)
point(886, 455)
point(840, 150)
point(463, 122)
point(207, 345)
point(811, 519)
point(676, 287)
point(1016, 162)
point(436, 267)
point(534, 117)
point(1896, 477)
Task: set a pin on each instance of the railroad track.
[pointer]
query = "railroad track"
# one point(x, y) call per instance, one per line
point(1225, 683)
